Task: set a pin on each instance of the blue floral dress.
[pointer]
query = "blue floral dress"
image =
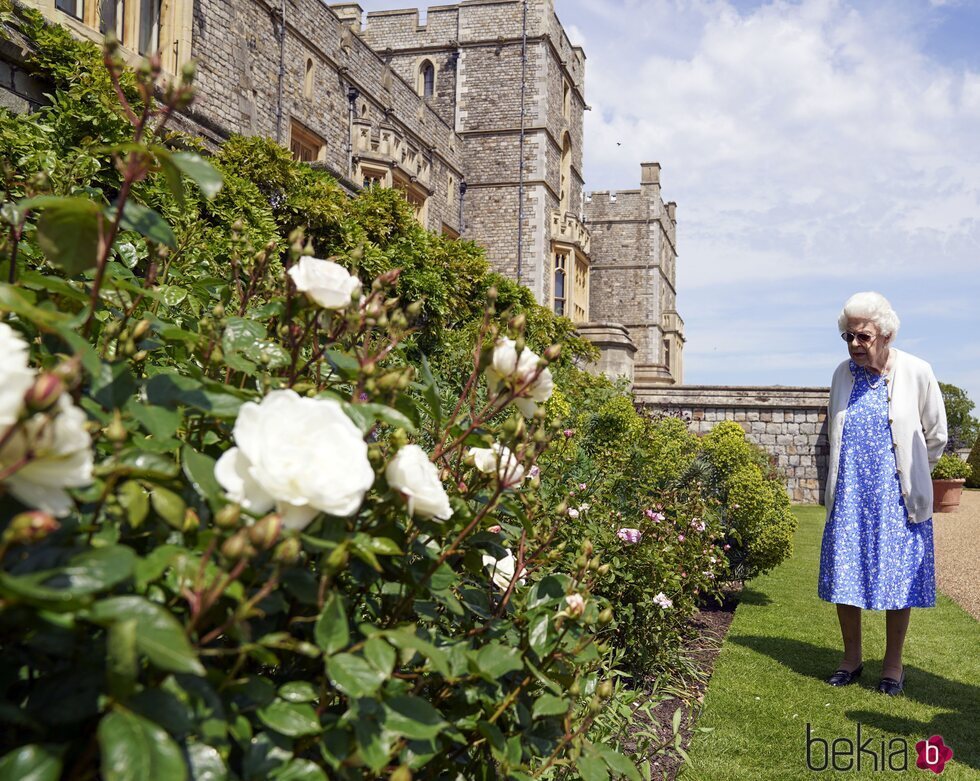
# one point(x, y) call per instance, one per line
point(871, 556)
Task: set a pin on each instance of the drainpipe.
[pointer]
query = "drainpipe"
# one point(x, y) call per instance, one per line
point(520, 184)
point(352, 95)
point(462, 200)
point(282, 68)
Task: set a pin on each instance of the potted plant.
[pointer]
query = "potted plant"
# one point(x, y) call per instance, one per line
point(947, 483)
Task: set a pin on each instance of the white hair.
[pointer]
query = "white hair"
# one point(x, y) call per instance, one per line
point(870, 306)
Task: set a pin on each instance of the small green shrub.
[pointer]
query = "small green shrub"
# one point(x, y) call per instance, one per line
point(757, 514)
point(951, 467)
point(973, 480)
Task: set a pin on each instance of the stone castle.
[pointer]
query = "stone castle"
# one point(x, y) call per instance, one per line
point(475, 115)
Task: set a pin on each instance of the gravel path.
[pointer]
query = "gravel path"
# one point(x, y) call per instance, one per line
point(957, 541)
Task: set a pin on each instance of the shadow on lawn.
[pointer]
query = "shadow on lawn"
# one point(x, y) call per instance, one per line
point(960, 702)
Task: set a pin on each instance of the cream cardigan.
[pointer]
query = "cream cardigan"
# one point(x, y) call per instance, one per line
point(918, 423)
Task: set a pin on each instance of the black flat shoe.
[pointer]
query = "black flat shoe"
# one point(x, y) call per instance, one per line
point(891, 687)
point(843, 677)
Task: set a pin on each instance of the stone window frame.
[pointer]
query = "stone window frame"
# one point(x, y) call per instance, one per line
point(559, 266)
point(566, 99)
point(309, 77)
point(171, 29)
point(416, 195)
point(306, 145)
point(580, 287)
point(425, 82)
point(378, 175)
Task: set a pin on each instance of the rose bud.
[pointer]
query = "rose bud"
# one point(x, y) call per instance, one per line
point(45, 391)
point(228, 516)
point(31, 526)
point(575, 605)
point(237, 547)
point(605, 689)
point(264, 532)
point(141, 329)
point(606, 616)
point(288, 551)
point(553, 352)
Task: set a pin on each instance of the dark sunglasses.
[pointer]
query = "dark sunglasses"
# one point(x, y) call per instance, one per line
point(863, 338)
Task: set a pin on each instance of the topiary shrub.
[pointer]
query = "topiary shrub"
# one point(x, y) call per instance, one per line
point(757, 515)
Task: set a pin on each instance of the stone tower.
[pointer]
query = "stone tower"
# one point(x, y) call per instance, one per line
point(505, 76)
point(634, 265)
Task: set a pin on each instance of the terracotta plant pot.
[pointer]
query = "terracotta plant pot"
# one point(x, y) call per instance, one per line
point(946, 495)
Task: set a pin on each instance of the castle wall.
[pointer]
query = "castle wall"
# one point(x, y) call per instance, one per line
point(236, 45)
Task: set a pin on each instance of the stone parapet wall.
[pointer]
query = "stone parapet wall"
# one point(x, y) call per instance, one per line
point(789, 423)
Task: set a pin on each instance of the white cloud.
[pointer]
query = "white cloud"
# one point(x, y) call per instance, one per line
point(812, 147)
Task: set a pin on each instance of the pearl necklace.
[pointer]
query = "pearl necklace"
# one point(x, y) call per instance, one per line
point(867, 378)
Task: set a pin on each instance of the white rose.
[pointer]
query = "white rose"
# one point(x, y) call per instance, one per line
point(302, 456)
point(413, 475)
point(325, 283)
point(61, 457)
point(16, 377)
point(506, 363)
point(502, 570)
point(663, 600)
point(498, 459)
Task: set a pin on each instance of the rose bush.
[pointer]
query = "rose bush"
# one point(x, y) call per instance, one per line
point(261, 576)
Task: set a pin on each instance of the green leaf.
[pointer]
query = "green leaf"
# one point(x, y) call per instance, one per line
point(169, 390)
point(199, 469)
point(128, 255)
point(331, 630)
point(168, 506)
point(135, 501)
point(404, 638)
point(70, 586)
point(121, 666)
point(134, 749)
point(591, 769)
point(549, 705)
point(204, 175)
point(68, 233)
point(18, 302)
point(495, 660)
point(538, 636)
point(354, 675)
point(114, 385)
point(172, 295)
point(380, 654)
point(413, 717)
point(293, 719)
point(430, 392)
point(206, 763)
point(366, 416)
point(146, 222)
point(158, 634)
point(32, 763)
point(298, 691)
point(619, 764)
point(299, 770)
point(161, 423)
point(175, 182)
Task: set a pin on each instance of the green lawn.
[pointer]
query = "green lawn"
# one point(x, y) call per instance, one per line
point(768, 683)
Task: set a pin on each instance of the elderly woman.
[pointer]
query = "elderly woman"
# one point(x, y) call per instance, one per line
point(887, 425)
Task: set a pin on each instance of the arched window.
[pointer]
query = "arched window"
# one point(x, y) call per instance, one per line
point(427, 79)
point(566, 173)
point(308, 79)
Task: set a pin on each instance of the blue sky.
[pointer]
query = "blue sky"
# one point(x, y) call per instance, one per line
point(815, 149)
